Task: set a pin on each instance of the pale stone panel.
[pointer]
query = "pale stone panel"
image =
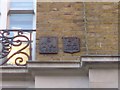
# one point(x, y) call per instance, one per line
point(103, 78)
point(17, 84)
point(0, 81)
point(104, 85)
point(61, 81)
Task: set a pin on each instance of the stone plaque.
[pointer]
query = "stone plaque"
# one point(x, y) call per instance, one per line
point(71, 44)
point(48, 45)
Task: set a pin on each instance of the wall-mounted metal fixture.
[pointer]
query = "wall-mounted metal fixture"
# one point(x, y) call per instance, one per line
point(71, 44)
point(48, 45)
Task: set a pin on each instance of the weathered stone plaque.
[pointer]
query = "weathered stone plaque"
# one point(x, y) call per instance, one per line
point(48, 45)
point(71, 44)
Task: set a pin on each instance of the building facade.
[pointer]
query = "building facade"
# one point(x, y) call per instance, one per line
point(59, 44)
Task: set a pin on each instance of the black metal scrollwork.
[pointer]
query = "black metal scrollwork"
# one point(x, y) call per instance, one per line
point(9, 42)
point(6, 48)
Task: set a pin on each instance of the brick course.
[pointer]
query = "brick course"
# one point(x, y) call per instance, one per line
point(98, 35)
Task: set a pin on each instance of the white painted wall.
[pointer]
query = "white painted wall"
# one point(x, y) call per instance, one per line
point(4, 8)
point(0, 81)
point(103, 78)
point(17, 84)
point(4, 11)
point(61, 81)
point(97, 78)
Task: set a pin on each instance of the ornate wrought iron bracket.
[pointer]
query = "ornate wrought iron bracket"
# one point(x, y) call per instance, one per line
point(15, 46)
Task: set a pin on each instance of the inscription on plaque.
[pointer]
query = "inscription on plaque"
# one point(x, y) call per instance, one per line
point(71, 44)
point(48, 45)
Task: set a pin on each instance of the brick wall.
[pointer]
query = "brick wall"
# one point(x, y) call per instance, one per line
point(96, 24)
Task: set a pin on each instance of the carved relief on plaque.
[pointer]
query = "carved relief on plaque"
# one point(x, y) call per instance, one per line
point(48, 45)
point(71, 44)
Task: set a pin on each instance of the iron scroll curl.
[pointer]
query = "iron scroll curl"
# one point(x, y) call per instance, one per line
point(20, 40)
